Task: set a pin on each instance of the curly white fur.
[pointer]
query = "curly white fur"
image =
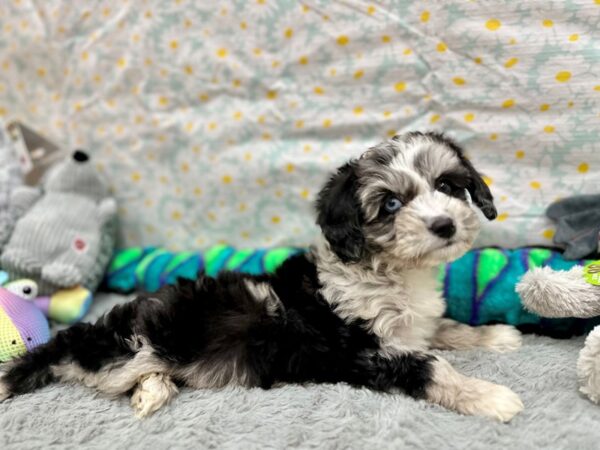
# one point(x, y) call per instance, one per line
point(554, 294)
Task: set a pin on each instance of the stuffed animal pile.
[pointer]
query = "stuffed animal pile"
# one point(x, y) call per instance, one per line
point(55, 243)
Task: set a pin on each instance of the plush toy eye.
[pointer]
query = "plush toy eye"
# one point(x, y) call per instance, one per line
point(26, 289)
point(392, 204)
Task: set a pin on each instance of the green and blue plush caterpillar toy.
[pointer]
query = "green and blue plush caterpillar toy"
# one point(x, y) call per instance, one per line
point(149, 268)
point(479, 287)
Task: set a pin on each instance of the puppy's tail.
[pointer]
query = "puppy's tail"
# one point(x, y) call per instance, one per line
point(34, 370)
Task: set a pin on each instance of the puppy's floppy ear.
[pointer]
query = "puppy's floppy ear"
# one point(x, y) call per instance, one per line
point(480, 192)
point(339, 214)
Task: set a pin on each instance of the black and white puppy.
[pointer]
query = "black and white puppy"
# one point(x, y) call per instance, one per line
point(361, 307)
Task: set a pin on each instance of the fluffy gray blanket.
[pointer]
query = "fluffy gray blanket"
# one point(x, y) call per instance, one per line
point(326, 416)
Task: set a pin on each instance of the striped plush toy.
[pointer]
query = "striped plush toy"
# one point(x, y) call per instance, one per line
point(479, 287)
point(148, 268)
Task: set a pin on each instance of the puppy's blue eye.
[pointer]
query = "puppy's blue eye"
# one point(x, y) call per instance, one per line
point(392, 204)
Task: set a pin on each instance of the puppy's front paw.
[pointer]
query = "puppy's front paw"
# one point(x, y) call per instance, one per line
point(471, 396)
point(494, 401)
point(502, 338)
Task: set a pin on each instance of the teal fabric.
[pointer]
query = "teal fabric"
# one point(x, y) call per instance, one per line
point(217, 121)
point(150, 268)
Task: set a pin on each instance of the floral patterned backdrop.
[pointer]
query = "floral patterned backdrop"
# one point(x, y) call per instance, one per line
point(216, 121)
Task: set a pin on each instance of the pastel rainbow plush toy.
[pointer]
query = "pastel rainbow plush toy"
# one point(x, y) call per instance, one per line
point(24, 315)
point(23, 326)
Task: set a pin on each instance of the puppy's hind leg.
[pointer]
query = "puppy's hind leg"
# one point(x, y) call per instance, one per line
point(152, 392)
point(92, 355)
point(452, 335)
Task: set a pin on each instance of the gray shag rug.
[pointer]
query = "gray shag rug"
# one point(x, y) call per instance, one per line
point(319, 416)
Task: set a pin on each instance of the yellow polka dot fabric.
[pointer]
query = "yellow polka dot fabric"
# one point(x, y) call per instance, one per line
point(217, 121)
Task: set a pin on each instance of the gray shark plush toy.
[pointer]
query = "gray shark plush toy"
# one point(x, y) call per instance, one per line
point(65, 233)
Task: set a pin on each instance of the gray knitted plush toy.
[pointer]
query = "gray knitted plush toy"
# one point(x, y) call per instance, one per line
point(65, 233)
point(10, 178)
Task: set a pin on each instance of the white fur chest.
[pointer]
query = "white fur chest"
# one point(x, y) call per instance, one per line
point(425, 306)
point(400, 308)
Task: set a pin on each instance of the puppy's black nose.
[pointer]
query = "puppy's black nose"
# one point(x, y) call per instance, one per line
point(443, 227)
point(80, 156)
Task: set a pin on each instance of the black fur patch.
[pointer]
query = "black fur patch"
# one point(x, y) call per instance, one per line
point(340, 216)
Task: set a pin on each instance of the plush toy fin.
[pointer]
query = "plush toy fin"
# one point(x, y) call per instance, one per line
point(107, 210)
point(69, 305)
point(62, 274)
point(23, 198)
